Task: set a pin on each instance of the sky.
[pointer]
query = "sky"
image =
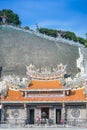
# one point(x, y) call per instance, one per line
point(66, 15)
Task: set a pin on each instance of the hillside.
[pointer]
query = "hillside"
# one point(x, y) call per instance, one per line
point(19, 48)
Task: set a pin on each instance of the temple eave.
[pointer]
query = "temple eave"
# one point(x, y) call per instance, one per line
point(64, 101)
point(36, 90)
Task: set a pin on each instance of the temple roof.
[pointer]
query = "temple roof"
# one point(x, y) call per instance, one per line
point(42, 94)
point(16, 96)
point(41, 84)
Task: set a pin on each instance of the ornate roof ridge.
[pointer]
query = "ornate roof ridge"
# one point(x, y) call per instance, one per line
point(46, 73)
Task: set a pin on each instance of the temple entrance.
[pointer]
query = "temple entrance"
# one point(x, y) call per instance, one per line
point(45, 113)
point(31, 116)
point(58, 116)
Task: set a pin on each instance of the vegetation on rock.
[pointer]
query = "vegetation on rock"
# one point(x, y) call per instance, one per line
point(27, 28)
point(64, 34)
point(13, 19)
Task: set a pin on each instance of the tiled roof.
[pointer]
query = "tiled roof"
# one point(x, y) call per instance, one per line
point(76, 95)
point(37, 84)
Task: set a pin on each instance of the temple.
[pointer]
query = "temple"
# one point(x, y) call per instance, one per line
point(45, 97)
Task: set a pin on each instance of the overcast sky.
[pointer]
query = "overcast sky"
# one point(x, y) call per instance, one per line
point(65, 15)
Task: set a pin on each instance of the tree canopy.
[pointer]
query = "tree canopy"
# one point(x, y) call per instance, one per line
point(12, 18)
point(49, 32)
point(27, 28)
point(64, 34)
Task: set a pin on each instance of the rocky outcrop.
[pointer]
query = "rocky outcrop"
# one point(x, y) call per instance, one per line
point(20, 48)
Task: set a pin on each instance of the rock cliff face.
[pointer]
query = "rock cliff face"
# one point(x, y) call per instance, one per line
point(19, 48)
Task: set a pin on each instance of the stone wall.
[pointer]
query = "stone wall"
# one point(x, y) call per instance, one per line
point(76, 113)
point(15, 115)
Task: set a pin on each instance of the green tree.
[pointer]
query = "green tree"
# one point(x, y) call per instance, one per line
point(86, 40)
point(86, 36)
point(49, 32)
point(81, 40)
point(71, 36)
point(12, 18)
point(86, 44)
point(26, 28)
point(64, 34)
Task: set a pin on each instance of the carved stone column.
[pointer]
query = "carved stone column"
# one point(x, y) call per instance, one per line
point(26, 94)
point(64, 93)
point(52, 114)
point(37, 112)
point(63, 112)
point(25, 109)
point(2, 113)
